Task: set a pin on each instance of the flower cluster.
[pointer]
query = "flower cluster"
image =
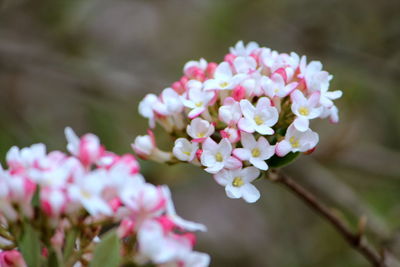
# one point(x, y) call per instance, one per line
point(237, 117)
point(83, 194)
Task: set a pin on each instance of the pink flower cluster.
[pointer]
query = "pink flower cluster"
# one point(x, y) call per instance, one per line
point(92, 187)
point(233, 117)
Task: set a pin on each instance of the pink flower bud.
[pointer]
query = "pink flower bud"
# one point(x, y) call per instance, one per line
point(211, 69)
point(229, 58)
point(12, 258)
point(126, 228)
point(239, 93)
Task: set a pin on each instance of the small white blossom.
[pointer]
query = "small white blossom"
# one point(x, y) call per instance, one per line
point(230, 112)
point(296, 141)
point(197, 99)
point(218, 156)
point(200, 129)
point(258, 119)
point(256, 152)
point(238, 183)
point(169, 103)
point(243, 50)
point(184, 149)
point(305, 109)
point(223, 78)
point(275, 86)
point(146, 108)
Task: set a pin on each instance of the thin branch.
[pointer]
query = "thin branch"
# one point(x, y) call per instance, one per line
point(355, 240)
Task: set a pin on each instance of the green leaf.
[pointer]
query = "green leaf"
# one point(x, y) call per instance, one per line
point(52, 260)
point(107, 252)
point(36, 198)
point(70, 242)
point(278, 162)
point(29, 244)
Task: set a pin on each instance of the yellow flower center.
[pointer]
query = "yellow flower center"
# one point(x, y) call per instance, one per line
point(276, 90)
point(237, 182)
point(304, 111)
point(186, 153)
point(255, 152)
point(86, 194)
point(199, 104)
point(218, 157)
point(294, 142)
point(201, 135)
point(223, 84)
point(258, 120)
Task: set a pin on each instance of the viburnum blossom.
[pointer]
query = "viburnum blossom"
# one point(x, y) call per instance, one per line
point(85, 193)
point(252, 109)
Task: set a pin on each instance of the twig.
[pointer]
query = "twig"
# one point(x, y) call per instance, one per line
point(355, 240)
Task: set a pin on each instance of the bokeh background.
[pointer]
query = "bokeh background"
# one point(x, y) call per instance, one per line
point(87, 64)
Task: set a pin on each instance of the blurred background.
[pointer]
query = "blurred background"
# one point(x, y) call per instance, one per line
point(87, 64)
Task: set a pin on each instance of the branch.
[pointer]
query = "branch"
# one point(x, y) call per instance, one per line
point(355, 240)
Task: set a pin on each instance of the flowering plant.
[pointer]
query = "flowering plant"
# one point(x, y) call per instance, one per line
point(59, 210)
point(242, 116)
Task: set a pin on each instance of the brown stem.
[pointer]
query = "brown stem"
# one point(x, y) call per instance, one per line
point(355, 240)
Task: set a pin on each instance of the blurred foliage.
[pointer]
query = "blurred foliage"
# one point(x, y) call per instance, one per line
point(87, 63)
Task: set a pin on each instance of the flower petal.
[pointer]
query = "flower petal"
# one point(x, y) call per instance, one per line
point(250, 193)
point(283, 148)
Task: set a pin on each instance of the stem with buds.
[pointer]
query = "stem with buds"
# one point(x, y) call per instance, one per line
point(355, 240)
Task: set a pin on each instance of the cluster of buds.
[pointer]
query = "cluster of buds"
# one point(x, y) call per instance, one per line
point(68, 201)
point(241, 116)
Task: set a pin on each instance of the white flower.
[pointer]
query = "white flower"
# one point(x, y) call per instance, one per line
point(158, 246)
point(256, 152)
point(296, 141)
point(169, 103)
point(53, 201)
point(241, 50)
point(144, 146)
point(184, 149)
point(198, 99)
point(218, 156)
point(145, 201)
point(201, 64)
point(223, 78)
point(238, 183)
point(146, 108)
point(275, 86)
point(253, 84)
point(331, 112)
point(88, 192)
point(259, 118)
point(195, 259)
point(87, 148)
point(25, 157)
point(200, 129)
point(245, 64)
point(230, 112)
point(305, 109)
